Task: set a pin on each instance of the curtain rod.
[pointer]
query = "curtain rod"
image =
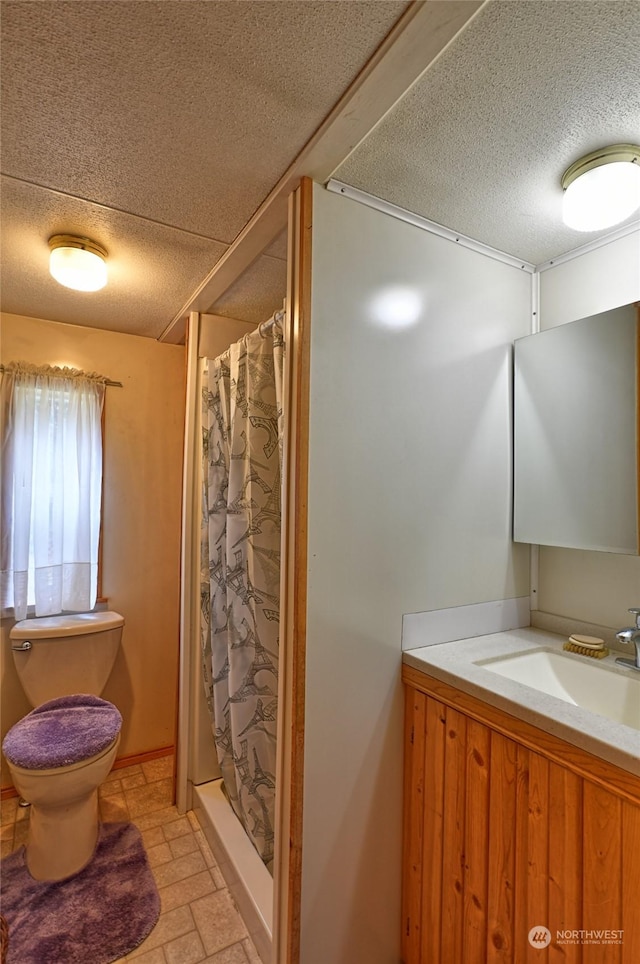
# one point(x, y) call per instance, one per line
point(275, 318)
point(108, 382)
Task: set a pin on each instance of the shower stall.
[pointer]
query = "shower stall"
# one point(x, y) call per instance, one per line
point(243, 607)
point(231, 553)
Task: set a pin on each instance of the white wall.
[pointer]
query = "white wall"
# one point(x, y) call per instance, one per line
point(409, 510)
point(596, 587)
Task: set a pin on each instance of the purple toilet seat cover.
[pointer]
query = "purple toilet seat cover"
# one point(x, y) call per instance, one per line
point(61, 732)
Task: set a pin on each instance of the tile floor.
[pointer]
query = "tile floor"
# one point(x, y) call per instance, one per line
point(199, 922)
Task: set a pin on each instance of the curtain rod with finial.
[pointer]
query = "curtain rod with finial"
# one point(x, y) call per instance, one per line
point(108, 382)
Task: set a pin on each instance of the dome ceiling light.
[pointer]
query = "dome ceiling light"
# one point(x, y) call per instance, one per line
point(77, 263)
point(602, 188)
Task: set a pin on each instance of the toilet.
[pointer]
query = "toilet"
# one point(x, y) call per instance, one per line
point(61, 751)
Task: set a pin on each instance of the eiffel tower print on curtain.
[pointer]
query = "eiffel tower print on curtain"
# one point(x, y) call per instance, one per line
point(242, 424)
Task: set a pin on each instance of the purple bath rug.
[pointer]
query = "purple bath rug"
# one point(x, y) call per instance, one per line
point(94, 917)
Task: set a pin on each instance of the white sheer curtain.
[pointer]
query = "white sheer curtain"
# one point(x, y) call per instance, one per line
point(51, 489)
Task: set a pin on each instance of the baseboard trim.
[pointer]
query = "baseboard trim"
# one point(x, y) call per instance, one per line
point(6, 793)
point(135, 758)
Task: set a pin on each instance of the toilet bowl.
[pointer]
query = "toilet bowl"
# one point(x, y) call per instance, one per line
point(61, 752)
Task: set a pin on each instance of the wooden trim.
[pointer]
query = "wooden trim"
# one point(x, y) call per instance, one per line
point(302, 322)
point(134, 758)
point(189, 561)
point(6, 793)
point(293, 607)
point(587, 766)
point(413, 44)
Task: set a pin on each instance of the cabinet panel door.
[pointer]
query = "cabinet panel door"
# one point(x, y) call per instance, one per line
point(500, 840)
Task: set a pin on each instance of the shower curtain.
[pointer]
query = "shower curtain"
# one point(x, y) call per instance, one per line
point(242, 421)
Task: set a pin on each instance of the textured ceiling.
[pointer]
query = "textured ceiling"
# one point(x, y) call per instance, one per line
point(480, 142)
point(181, 114)
point(158, 127)
point(150, 265)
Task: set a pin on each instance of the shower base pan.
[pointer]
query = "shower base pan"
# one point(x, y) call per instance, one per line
point(247, 878)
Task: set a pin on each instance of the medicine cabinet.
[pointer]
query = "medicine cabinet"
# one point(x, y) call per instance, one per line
point(576, 460)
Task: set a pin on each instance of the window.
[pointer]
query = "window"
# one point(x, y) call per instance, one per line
point(51, 489)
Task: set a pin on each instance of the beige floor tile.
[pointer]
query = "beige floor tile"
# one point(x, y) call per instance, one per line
point(8, 810)
point(218, 879)
point(230, 955)
point(159, 854)
point(122, 772)
point(179, 869)
point(110, 789)
point(156, 956)
point(218, 921)
point(136, 780)
point(158, 769)
point(173, 924)
point(149, 798)
point(185, 950)
point(21, 834)
point(6, 847)
point(7, 831)
point(176, 828)
point(184, 891)
point(183, 845)
point(114, 809)
point(152, 837)
point(158, 818)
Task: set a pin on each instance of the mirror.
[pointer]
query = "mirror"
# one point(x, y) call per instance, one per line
point(576, 417)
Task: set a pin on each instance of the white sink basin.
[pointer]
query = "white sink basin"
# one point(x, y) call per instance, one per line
point(601, 689)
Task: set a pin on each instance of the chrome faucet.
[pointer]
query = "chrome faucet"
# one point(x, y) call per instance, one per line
point(631, 635)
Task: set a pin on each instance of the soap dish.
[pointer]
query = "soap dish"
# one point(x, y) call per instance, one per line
point(586, 646)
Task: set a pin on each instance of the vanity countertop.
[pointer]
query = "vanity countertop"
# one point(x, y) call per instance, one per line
point(455, 663)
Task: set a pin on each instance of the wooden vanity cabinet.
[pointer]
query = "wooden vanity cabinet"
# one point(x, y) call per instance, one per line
point(507, 828)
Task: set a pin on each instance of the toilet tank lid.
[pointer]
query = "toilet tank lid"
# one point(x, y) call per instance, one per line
point(77, 624)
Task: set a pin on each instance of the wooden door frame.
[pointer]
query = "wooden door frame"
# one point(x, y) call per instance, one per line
point(293, 585)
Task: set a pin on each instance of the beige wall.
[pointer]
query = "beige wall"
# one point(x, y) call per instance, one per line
point(142, 496)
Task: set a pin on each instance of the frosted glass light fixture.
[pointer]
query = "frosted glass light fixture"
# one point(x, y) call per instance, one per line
point(602, 188)
point(77, 263)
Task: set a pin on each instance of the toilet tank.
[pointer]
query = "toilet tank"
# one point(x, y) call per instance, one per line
point(61, 655)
